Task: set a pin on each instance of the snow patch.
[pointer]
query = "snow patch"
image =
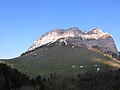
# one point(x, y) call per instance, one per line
point(73, 66)
point(81, 66)
point(34, 54)
point(95, 65)
point(73, 46)
point(63, 40)
point(98, 69)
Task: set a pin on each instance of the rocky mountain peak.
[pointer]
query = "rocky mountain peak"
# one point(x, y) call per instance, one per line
point(74, 30)
point(94, 37)
point(95, 31)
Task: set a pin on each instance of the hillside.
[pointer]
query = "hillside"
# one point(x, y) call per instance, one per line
point(62, 59)
point(12, 79)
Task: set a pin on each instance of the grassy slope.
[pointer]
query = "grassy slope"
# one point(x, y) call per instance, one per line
point(60, 59)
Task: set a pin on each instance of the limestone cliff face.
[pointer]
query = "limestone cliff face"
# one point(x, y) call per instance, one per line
point(75, 36)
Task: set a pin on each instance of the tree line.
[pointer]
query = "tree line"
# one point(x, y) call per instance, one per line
point(12, 79)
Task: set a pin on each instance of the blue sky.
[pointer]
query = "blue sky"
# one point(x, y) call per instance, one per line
point(24, 21)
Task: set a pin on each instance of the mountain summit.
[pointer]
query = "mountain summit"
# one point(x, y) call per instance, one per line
point(69, 52)
point(75, 36)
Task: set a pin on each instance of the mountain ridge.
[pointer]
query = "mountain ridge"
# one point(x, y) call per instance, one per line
point(94, 37)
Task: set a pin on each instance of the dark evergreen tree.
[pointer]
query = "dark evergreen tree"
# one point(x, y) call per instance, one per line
point(38, 80)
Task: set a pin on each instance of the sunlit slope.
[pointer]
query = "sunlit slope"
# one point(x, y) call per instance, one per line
point(62, 59)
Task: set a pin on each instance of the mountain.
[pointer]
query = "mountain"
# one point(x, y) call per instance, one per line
point(69, 52)
point(94, 37)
